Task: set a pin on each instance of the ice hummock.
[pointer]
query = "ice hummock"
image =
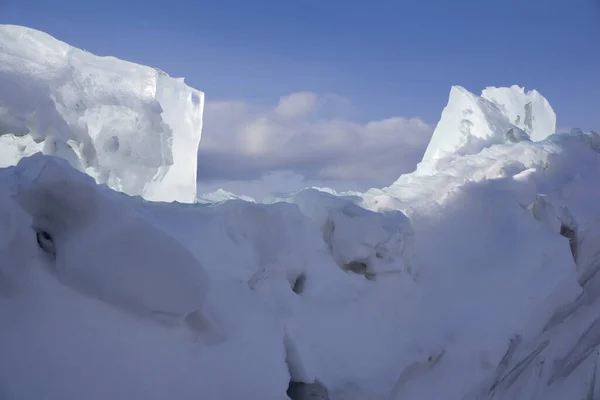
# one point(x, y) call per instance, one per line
point(473, 277)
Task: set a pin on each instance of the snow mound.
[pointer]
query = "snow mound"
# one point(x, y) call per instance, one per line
point(382, 244)
point(470, 123)
point(134, 275)
point(129, 126)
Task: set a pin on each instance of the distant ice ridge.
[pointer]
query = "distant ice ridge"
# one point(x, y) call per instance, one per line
point(220, 195)
point(471, 123)
point(127, 125)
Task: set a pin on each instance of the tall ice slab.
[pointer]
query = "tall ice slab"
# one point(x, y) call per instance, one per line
point(129, 126)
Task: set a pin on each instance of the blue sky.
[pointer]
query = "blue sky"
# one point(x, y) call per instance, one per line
point(387, 57)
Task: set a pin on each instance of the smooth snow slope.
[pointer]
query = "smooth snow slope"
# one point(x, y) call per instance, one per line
point(127, 125)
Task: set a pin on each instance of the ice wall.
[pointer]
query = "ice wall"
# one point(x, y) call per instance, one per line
point(130, 126)
point(470, 123)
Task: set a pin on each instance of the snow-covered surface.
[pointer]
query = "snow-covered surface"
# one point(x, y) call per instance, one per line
point(470, 123)
point(127, 125)
point(475, 277)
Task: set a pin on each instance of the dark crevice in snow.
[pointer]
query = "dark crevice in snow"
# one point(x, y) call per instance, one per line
point(360, 268)
point(46, 242)
point(307, 391)
point(505, 361)
point(588, 276)
point(301, 385)
point(299, 284)
point(507, 379)
point(587, 343)
point(562, 313)
point(570, 234)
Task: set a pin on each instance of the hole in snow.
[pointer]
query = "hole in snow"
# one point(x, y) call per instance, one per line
point(307, 391)
point(45, 242)
point(359, 268)
point(298, 285)
point(570, 234)
point(298, 389)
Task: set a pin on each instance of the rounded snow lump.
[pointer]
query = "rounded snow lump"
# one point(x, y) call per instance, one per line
point(105, 250)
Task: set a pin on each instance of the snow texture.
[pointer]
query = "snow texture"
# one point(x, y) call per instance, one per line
point(127, 125)
point(474, 277)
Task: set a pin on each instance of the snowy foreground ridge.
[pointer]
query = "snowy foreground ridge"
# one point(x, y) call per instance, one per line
point(475, 277)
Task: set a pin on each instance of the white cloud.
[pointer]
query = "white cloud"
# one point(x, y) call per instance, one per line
point(305, 135)
point(296, 104)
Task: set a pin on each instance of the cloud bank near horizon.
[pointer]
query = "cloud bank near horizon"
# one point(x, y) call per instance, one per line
point(306, 139)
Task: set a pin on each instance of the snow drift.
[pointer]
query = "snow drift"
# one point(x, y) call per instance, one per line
point(127, 125)
point(475, 277)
